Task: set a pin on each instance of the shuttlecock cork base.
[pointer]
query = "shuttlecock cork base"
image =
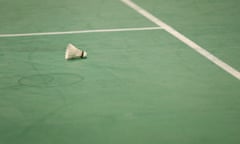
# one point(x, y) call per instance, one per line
point(74, 53)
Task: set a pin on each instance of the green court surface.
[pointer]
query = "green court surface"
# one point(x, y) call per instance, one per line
point(135, 87)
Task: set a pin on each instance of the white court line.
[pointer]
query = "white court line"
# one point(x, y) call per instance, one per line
point(79, 32)
point(184, 39)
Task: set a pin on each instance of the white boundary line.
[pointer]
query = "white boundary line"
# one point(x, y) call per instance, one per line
point(184, 39)
point(80, 32)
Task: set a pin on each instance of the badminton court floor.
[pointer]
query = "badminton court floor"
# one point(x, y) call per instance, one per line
point(142, 83)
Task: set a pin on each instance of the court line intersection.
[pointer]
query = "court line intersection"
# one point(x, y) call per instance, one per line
point(229, 69)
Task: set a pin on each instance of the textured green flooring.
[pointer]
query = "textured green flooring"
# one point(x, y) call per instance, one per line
point(142, 87)
point(28, 16)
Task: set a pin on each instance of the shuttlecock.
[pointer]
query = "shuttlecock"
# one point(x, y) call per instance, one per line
point(73, 53)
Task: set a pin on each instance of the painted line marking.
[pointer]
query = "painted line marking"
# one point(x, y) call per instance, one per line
point(184, 39)
point(80, 32)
